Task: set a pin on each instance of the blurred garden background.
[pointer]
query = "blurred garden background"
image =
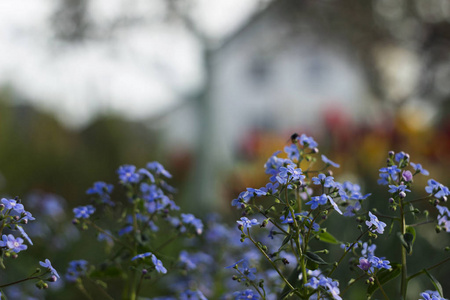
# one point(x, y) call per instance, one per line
point(211, 89)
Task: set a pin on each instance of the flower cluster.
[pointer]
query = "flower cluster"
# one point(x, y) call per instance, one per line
point(150, 206)
point(298, 199)
point(13, 217)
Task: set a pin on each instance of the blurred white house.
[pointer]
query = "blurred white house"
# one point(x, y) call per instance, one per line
point(276, 73)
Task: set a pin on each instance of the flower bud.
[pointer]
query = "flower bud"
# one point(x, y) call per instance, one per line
point(438, 229)
point(329, 173)
point(391, 200)
point(407, 176)
point(391, 154)
point(315, 150)
point(52, 278)
point(261, 283)
point(402, 195)
point(144, 271)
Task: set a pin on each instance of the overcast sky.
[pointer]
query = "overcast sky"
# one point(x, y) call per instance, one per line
point(139, 72)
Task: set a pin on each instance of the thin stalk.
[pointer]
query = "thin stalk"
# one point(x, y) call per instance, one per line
point(252, 283)
point(19, 281)
point(381, 288)
point(417, 200)
point(429, 268)
point(166, 242)
point(421, 223)
point(353, 282)
point(271, 262)
point(108, 234)
point(346, 251)
point(404, 281)
point(102, 290)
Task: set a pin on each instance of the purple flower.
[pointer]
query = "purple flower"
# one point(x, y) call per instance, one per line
point(431, 295)
point(364, 264)
point(368, 251)
point(158, 265)
point(100, 188)
point(307, 141)
point(290, 174)
point(400, 156)
point(24, 234)
point(318, 200)
point(14, 244)
point(189, 219)
point(407, 176)
point(103, 190)
point(444, 222)
point(378, 225)
point(158, 169)
point(370, 264)
point(335, 206)
point(83, 212)
point(418, 168)
point(145, 172)
point(379, 263)
point(329, 162)
point(330, 285)
point(125, 230)
point(392, 171)
point(127, 174)
point(13, 205)
point(47, 264)
point(288, 219)
point(322, 179)
point(142, 256)
point(244, 268)
point(437, 189)
point(443, 210)
point(352, 209)
point(247, 294)
point(246, 223)
point(292, 152)
point(76, 269)
point(398, 189)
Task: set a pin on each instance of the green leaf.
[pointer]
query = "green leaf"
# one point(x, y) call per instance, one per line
point(315, 258)
point(327, 238)
point(436, 283)
point(411, 230)
point(407, 239)
point(286, 240)
point(385, 276)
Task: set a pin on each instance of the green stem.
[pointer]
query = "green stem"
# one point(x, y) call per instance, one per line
point(404, 281)
point(102, 290)
point(166, 242)
point(271, 262)
point(421, 223)
point(416, 200)
point(252, 283)
point(19, 281)
point(429, 268)
point(353, 282)
point(98, 228)
point(381, 288)
point(346, 251)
